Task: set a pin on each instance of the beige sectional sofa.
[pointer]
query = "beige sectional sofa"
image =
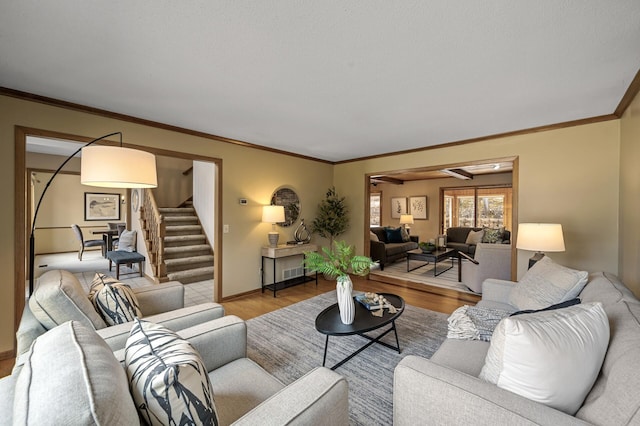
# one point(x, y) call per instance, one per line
point(446, 389)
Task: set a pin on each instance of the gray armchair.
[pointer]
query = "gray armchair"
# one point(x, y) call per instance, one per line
point(490, 261)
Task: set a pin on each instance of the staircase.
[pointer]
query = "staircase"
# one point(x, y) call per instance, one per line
point(187, 255)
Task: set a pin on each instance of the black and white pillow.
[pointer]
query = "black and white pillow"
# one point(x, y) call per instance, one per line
point(167, 377)
point(99, 280)
point(115, 302)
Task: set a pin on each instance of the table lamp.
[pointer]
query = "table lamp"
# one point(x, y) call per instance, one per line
point(406, 219)
point(273, 215)
point(540, 237)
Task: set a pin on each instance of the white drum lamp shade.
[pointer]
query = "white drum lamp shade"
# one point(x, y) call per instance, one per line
point(273, 215)
point(406, 219)
point(540, 237)
point(117, 167)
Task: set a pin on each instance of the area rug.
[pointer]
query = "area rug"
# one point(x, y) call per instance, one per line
point(424, 275)
point(287, 345)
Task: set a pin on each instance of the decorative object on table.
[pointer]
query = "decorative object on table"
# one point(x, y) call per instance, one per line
point(128, 168)
point(101, 206)
point(441, 241)
point(398, 207)
point(332, 219)
point(287, 198)
point(376, 303)
point(302, 235)
point(406, 219)
point(418, 206)
point(540, 237)
point(338, 263)
point(273, 215)
point(427, 247)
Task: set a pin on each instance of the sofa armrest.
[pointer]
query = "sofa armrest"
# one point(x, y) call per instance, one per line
point(378, 251)
point(497, 290)
point(415, 238)
point(321, 397)
point(425, 390)
point(116, 335)
point(156, 299)
point(28, 331)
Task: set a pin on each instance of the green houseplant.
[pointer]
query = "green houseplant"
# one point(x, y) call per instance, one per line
point(332, 219)
point(339, 262)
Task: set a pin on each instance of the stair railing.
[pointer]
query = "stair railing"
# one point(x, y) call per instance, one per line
point(155, 230)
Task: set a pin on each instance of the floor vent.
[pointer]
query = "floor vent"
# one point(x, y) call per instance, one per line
point(292, 273)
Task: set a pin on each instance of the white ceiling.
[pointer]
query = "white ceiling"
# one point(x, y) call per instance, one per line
point(333, 80)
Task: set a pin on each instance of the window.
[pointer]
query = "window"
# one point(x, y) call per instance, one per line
point(374, 209)
point(479, 207)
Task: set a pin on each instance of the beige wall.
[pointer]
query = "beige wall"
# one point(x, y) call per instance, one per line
point(629, 266)
point(568, 176)
point(430, 228)
point(246, 173)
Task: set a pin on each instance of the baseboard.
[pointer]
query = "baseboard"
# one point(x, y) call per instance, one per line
point(7, 354)
point(235, 296)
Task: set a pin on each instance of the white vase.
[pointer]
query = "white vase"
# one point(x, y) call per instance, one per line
point(345, 299)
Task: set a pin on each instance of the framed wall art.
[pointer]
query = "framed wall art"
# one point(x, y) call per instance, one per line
point(418, 206)
point(100, 206)
point(398, 207)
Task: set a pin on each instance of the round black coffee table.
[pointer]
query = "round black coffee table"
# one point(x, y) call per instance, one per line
point(328, 322)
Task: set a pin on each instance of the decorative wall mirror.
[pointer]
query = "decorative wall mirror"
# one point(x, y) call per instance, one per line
point(288, 198)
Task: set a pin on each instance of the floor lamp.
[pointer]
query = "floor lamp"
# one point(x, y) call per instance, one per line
point(107, 167)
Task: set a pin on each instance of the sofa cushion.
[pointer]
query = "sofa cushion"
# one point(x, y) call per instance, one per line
point(474, 237)
point(373, 237)
point(71, 377)
point(614, 398)
point(169, 382)
point(380, 233)
point(127, 241)
point(394, 235)
point(492, 236)
point(552, 357)
point(59, 297)
point(547, 283)
point(116, 303)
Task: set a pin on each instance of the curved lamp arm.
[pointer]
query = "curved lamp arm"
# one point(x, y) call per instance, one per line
point(32, 254)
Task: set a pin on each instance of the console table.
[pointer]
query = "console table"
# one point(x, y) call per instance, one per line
point(280, 252)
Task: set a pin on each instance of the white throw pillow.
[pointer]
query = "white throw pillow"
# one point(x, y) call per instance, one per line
point(115, 302)
point(373, 237)
point(475, 237)
point(552, 357)
point(127, 241)
point(547, 283)
point(167, 376)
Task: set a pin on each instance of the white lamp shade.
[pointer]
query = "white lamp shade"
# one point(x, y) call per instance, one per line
point(273, 214)
point(542, 237)
point(406, 219)
point(117, 167)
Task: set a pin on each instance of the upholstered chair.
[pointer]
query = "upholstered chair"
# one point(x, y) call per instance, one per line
point(490, 261)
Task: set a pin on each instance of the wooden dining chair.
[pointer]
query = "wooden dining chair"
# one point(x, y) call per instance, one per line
point(87, 243)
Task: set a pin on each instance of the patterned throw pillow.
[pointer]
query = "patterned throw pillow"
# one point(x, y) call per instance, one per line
point(492, 235)
point(547, 283)
point(167, 376)
point(405, 235)
point(99, 280)
point(115, 302)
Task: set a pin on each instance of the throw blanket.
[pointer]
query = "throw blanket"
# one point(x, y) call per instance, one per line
point(474, 323)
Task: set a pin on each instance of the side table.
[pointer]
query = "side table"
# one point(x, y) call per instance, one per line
point(280, 252)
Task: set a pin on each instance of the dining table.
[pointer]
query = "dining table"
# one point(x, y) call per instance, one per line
point(107, 236)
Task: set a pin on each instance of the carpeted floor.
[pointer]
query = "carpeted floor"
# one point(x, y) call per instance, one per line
point(286, 344)
point(424, 275)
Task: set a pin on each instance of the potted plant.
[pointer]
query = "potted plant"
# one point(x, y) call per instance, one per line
point(332, 219)
point(339, 262)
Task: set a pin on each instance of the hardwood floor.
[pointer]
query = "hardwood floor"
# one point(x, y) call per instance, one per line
point(256, 304)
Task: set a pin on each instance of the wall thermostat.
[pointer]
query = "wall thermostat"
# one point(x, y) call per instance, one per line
point(243, 201)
